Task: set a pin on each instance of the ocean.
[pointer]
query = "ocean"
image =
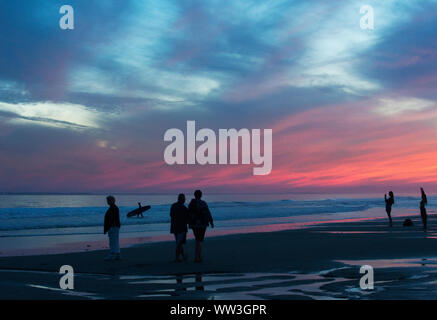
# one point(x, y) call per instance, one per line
point(31, 222)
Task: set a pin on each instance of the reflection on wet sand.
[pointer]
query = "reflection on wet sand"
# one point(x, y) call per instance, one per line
point(394, 279)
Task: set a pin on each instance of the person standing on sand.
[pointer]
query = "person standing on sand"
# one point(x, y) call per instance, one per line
point(178, 225)
point(112, 227)
point(200, 219)
point(423, 203)
point(388, 204)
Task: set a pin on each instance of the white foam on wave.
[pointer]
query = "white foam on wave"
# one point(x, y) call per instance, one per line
point(20, 218)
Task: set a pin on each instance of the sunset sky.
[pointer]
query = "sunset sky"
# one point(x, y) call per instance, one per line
point(85, 110)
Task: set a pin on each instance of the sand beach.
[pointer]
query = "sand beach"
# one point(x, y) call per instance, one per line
point(317, 262)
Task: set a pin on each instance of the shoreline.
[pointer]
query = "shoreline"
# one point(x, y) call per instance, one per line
point(311, 256)
point(331, 234)
point(88, 239)
point(52, 246)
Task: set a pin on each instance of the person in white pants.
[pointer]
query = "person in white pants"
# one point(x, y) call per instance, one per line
point(112, 227)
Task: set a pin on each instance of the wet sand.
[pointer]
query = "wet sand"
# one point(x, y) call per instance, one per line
point(320, 262)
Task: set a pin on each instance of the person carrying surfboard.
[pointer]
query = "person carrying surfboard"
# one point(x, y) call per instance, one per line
point(138, 211)
point(200, 219)
point(112, 227)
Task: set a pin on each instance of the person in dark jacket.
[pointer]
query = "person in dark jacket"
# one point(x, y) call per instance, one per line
point(423, 204)
point(388, 204)
point(200, 219)
point(112, 227)
point(178, 225)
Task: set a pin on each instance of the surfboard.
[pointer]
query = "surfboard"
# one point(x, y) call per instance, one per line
point(137, 211)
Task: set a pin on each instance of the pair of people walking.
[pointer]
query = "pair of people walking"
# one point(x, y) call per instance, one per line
point(197, 216)
point(423, 202)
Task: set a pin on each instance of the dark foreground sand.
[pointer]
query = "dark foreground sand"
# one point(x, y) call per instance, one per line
point(321, 262)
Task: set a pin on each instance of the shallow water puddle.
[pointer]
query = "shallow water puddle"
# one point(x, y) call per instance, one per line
point(408, 278)
point(74, 293)
point(412, 278)
point(352, 232)
point(393, 263)
point(243, 286)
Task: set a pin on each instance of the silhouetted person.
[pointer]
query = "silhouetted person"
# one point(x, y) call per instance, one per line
point(140, 215)
point(112, 227)
point(388, 203)
point(423, 204)
point(178, 225)
point(200, 219)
